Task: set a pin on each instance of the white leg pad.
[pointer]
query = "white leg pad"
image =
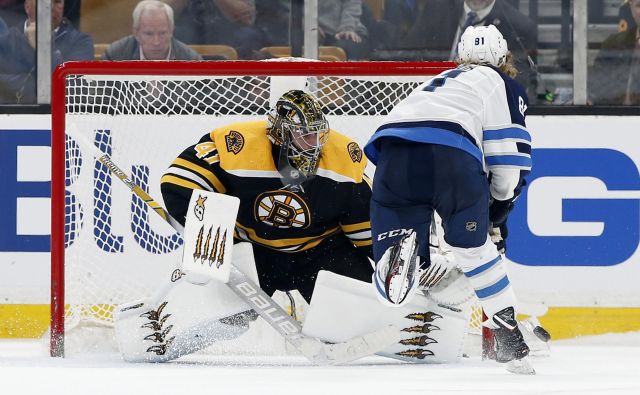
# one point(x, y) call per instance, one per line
point(183, 317)
point(431, 333)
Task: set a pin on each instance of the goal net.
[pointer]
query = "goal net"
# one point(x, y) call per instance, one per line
point(108, 247)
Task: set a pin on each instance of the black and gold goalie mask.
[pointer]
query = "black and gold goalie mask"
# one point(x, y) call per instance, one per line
point(299, 127)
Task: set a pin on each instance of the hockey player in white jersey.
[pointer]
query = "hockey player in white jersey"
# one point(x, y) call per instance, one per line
point(458, 145)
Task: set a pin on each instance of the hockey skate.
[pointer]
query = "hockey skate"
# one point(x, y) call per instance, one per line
point(509, 342)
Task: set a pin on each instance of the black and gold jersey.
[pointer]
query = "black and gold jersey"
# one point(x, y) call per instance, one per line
point(238, 160)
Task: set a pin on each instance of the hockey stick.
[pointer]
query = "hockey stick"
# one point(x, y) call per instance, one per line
point(315, 350)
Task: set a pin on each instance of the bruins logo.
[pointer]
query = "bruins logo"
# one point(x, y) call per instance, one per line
point(282, 209)
point(234, 141)
point(354, 152)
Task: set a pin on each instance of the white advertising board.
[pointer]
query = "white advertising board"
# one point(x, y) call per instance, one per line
point(573, 239)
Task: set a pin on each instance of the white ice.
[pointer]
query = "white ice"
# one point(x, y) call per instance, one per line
point(606, 364)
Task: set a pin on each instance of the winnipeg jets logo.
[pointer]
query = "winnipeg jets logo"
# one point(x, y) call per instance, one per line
point(521, 106)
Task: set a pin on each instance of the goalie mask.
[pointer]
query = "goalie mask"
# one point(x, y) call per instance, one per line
point(299, 127)
point(483, 45)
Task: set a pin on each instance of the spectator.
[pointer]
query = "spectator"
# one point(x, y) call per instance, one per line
point(228, 22)
point(152, 37)
point(422, 24)
point(3, 26)
point(615, 76)
point(12, 12)
point(432, 28)
point(18, 55)
point(272, 19)
point(340, 25)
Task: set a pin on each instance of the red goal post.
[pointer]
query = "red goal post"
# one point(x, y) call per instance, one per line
point(137, 110)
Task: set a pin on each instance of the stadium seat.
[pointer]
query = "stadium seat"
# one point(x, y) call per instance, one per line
point(376, 7)
point(98, 50)
point(215, 52)
point(106, 20)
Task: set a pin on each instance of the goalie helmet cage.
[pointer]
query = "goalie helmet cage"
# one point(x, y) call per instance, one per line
point(106, 248)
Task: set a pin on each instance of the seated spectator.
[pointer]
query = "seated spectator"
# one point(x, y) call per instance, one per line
point(18, 55)
point(340, 25)
point(12, 12)
point(272, 19)
point(615, 76)
point(152, 37)
point(227, 22)
point(432, 28)
point(339, 21)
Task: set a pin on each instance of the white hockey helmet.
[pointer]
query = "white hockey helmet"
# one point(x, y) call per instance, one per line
point(482, 45)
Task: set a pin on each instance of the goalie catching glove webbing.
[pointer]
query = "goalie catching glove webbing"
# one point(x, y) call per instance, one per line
point(396, 277)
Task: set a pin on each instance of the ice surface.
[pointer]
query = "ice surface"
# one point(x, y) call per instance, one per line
point(607, 364)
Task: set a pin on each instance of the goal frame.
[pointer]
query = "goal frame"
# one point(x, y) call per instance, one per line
point(171, 68)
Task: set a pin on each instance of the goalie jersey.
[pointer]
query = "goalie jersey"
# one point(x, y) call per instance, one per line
point(238, 160)
point(477, 109)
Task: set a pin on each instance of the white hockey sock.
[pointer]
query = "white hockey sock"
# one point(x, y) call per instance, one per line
point(485, 269)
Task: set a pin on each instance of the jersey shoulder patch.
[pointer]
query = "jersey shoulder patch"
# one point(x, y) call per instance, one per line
point(244, 146)
point(343, 156)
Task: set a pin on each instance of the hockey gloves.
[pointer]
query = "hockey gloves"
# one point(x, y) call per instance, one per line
point(499, 211)
point(498, 236)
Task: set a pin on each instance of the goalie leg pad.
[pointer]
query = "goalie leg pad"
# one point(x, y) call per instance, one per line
point(182, 319)
point(430, 332)
point(143, 339)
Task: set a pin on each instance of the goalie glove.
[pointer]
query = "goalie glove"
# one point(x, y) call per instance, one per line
point(396, 277)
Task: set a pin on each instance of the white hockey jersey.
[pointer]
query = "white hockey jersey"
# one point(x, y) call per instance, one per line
point(477, 109)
